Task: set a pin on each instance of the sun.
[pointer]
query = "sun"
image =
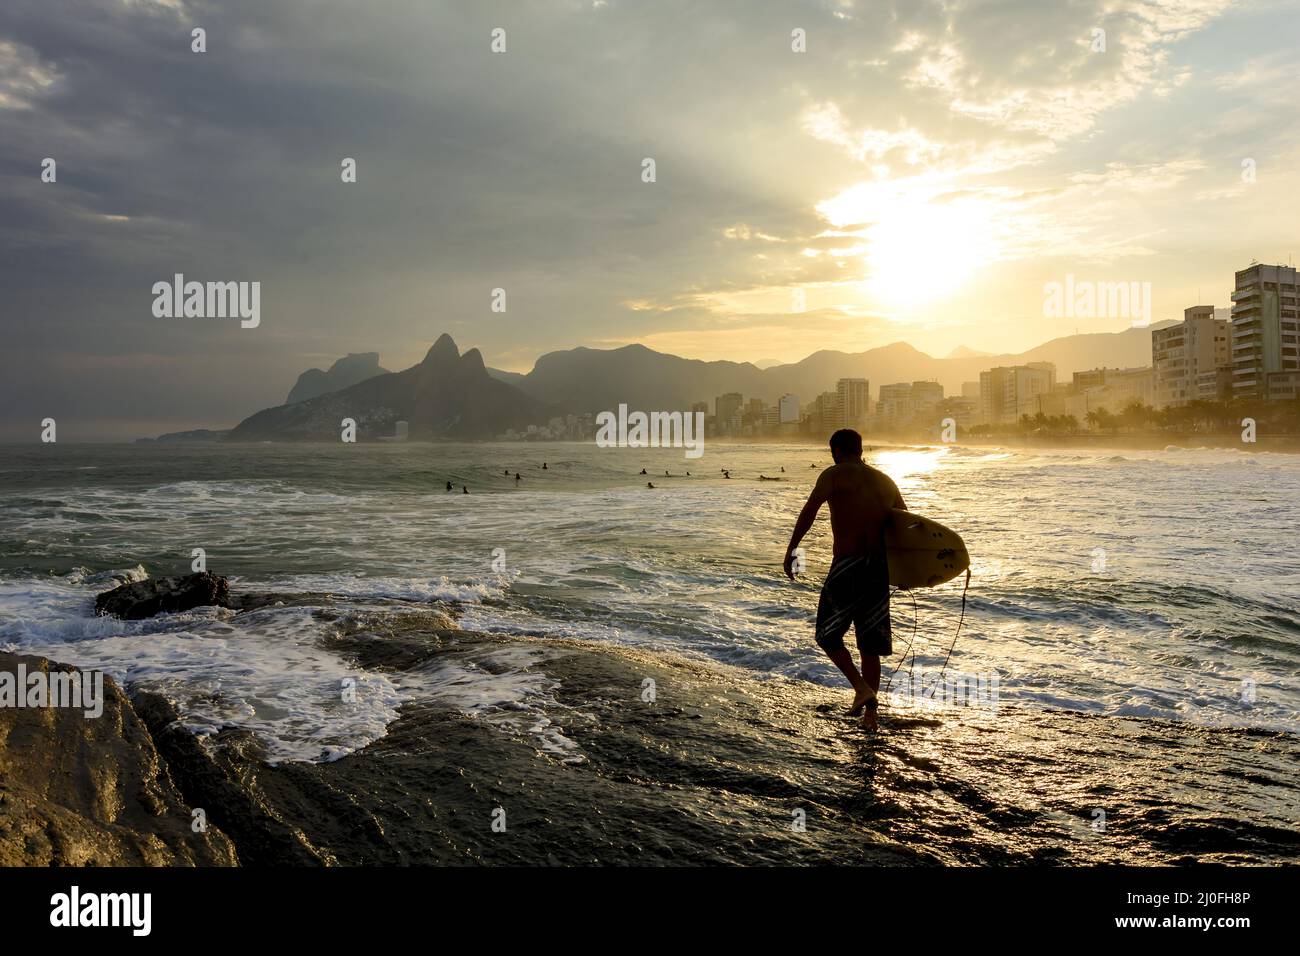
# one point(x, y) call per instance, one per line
point(922, 245)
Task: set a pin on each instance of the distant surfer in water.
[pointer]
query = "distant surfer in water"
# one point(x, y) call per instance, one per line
point(856, 590)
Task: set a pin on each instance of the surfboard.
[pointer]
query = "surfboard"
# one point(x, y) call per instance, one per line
point(922, 553)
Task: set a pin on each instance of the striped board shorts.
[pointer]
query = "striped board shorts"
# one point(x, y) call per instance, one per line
point(856, 591)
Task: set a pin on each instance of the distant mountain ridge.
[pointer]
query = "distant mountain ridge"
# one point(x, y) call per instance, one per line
point(590, 380)
point(347, 371)
point(447, 395)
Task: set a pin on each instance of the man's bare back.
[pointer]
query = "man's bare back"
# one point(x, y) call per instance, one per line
point(860, 498)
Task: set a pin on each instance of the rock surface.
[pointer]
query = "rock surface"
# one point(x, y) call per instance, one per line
point(78, 791)
point(143, 599)
point(715, 767)
point(718, 768)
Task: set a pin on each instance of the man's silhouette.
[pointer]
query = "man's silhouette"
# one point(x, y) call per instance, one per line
point(856, 590)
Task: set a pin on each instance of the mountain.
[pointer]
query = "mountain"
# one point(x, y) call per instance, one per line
point(962, 351)
point(591, 380)
point(347, 371)
point(447, 395)
point(510, 378)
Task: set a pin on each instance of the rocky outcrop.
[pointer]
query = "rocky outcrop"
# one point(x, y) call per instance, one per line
point(346, 372)
point(448, 395)
point(224, 780)
point(91, 791)
point(138, 600)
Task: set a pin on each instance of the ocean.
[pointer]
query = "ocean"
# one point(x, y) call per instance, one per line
point(1155, 585)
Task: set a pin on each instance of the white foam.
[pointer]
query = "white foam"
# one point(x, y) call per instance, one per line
point(262, 671)
point(502, 686)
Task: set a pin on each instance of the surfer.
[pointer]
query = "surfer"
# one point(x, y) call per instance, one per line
point(856, 590)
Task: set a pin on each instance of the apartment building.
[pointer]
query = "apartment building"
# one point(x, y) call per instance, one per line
point(1265, 331)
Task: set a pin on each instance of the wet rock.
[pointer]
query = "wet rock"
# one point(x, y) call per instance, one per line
point(143, 599)
point(91, 791)
point(223, 779)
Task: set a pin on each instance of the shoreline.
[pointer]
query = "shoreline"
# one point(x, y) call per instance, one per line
point(720, 768)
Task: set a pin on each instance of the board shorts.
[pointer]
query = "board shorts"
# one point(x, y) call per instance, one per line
point(856, 591)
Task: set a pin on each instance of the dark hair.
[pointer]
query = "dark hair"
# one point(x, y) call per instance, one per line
point(846, 442)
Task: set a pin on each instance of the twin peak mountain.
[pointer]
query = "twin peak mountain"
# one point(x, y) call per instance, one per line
point(448, 395)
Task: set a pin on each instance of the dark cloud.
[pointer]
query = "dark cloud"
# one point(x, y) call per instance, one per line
point(475, 171)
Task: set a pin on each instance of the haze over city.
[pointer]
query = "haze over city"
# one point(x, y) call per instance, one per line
point(918, 173)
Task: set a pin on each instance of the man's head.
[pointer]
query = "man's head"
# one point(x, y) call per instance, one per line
point(846, 445)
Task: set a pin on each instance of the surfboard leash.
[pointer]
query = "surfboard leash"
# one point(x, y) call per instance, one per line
point(961, 620)
point(911, 644)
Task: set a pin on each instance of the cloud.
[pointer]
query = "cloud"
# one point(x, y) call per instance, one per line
point(523, 171)
point(24, 79)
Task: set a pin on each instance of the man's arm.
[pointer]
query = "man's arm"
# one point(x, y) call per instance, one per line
point(820, 495)
point(892, 492)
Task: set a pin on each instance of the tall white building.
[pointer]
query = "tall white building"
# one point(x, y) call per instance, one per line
point(1265, 330)
point(789, 406)
point(1009, 391)
point(728, 412)
point(855, 398)
point(900, 404)
point(1185, 358)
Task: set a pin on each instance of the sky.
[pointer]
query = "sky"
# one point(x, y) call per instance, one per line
point(829, 174)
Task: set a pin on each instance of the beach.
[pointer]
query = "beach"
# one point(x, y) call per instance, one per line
point(623, 673)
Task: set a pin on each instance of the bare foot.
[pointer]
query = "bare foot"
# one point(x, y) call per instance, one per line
point(868, 722)
point(860, 700)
